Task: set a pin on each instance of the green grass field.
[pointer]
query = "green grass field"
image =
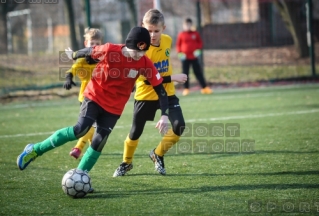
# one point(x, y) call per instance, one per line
point(280, 175)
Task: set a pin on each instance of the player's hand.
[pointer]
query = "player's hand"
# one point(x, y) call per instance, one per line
point(180, 78)
point(181, 56)
point(69, 81)
point(197, 53)
point(69, 53)
point(68, 84)
point(162, 125)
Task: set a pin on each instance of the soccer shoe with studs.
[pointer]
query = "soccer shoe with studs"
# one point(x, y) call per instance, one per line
point(75, 152)
point(159, 162)
point(123, 169)
point(27, 156)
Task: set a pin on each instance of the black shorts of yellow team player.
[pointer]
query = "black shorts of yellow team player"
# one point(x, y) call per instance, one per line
point(146, 110)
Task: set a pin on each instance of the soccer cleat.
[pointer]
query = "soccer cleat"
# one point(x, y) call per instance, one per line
point(123, 169)
point(75, 152)
point(185, 92)
point(27, 156)
point(206, 90)
point(159, 162)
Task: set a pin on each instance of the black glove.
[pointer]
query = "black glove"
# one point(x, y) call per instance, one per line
point(68, 81)
point(90, 60)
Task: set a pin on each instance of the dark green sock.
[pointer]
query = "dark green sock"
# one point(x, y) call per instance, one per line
point(89, 159)
point(57, 139)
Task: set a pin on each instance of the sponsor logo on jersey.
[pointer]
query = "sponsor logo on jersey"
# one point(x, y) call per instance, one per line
point(162, 66)
point(167, 52)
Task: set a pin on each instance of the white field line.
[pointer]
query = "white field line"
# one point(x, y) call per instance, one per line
point(192, 120)
point(260, 92)
point(255, 116)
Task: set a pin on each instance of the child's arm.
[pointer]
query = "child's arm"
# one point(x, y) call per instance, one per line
point(180, 78)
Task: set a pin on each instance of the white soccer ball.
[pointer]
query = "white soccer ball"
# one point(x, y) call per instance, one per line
point(76, 183)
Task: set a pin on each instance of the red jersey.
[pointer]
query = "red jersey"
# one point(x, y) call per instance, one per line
point(114, 77)
point(187, 42)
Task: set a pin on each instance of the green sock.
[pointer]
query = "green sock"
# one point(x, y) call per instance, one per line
point(89, 159)
point(57, 139)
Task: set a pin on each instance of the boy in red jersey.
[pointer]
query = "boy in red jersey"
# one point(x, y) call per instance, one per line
point(105, 96)
point(188, 47)
point(83, 70)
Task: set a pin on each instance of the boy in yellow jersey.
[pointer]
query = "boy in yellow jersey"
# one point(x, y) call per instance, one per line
point(147, 102)
point(83, 70)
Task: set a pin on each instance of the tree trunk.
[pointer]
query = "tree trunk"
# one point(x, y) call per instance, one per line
point(5, 8)
point(69, 8)
point(132, 8)
point(3, 30)
point(206, 11)
point(289, 11)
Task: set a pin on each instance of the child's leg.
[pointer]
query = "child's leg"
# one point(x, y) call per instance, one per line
point(78, 148)
point(89, 112)
point(178, 125)
point(199, 73)
point(83, 140)
point(185, 70)
point(105, 125)
point(131, 141)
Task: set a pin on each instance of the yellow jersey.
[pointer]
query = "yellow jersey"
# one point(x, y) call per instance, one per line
point(159, 55)
point(84, 71)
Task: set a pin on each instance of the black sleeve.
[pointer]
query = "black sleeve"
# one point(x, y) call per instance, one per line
point(82, 53)
point(166, 79)
point(85, 53)
point(162, 95)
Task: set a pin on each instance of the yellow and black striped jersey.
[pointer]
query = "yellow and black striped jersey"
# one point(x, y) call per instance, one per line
point(160, 56)
point(84, 71)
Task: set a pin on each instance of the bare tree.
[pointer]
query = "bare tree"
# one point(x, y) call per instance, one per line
point(206, 11)
point(132, 7)
point(69, 8)
point(289, 11)
point(5, 8)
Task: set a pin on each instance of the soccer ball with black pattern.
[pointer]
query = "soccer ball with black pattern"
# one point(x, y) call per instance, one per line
point(76, 183)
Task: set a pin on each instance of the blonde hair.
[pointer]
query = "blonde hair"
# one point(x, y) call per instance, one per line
point(92, 34)
point(153, 17)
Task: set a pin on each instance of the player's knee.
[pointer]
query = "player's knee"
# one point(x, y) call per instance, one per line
point(100, 139)
point(179, 127)
point(80, 130)
point(134, 135)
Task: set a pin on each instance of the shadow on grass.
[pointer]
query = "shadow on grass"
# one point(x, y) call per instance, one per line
point(203, 189)
point(312, 172)
point(222, 154)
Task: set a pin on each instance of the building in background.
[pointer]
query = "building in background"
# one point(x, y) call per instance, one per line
point(234, 24)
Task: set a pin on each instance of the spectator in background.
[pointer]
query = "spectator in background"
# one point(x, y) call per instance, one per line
point(188, 46)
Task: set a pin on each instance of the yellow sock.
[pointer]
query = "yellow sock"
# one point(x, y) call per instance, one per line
point(83, 140)
point(169, 139)
point(129, 149)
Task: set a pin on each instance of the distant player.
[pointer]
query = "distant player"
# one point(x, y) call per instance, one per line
point(147, 102)
point(83, 70)
point(188, 46)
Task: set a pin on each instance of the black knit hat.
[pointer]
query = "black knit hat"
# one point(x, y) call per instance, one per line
point(138, 39)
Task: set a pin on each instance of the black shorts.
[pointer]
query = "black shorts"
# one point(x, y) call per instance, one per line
point(102, 118)
point(144, 109)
